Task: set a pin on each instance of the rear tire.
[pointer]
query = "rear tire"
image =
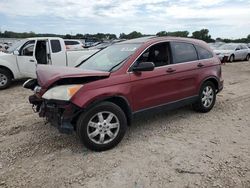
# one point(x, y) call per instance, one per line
point(5, 78)
point(207, 98)
point(102, 126)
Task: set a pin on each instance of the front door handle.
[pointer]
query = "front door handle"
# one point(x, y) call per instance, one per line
point(31, 60)
point(170, 70)
point(200, 65)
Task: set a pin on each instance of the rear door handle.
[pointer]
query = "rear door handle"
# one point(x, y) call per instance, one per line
point(200, 65)
point(170, 70)
point(31, 60)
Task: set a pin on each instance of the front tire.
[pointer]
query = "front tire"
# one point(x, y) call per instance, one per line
point(231, 59)
point(207, 98)
point(102, 127)
point(5, 79)
point(248, 57)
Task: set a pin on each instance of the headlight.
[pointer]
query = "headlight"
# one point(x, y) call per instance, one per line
point(64, 92)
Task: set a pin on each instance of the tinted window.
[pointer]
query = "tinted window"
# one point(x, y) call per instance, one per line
point(158, 54)
point(71, 42)
point(183, 52)
point(203, 53)
point(55, 46)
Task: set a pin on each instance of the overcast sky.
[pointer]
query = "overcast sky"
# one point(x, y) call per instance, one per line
point(224, 18)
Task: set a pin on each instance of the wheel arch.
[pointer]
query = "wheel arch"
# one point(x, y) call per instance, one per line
point(7, 69)
point(212, 79)
point(120, 101)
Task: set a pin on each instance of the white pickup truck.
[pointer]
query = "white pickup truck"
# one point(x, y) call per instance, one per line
point(21, 59)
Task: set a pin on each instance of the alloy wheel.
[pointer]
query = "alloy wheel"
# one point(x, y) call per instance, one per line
point(207, 96)
point(3, 80)
point(103, 127)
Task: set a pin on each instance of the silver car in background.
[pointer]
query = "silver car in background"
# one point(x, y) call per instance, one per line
point(233, 51)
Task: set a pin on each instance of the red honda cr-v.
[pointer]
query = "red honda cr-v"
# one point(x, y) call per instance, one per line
point(100, 97)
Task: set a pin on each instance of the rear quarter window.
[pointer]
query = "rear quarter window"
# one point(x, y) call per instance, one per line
point(203, 53)
point(183, 52)
point(55, 46)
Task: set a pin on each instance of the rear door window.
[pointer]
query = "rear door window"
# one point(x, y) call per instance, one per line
point(203, 53)
point(55, 46)
point(183, 52)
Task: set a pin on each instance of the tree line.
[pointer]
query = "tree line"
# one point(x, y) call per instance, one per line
point(203, 34)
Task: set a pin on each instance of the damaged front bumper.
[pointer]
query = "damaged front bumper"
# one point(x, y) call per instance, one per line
point(62, 114)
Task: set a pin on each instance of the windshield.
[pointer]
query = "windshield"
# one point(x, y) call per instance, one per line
point(16, 46)
point(110, 58)
point(227, 47)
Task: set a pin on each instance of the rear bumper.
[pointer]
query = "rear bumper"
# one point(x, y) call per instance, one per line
point(61, 114)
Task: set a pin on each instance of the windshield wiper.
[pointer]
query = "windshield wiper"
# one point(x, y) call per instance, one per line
point(118, 64)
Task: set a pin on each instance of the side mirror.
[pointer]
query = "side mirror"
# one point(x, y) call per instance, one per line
point(144, 66)
point(237, 49)
point(16, 52)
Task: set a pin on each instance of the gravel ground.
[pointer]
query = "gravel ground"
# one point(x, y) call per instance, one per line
point(180, 148)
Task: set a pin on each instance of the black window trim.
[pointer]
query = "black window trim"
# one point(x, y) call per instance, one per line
point(129, 70)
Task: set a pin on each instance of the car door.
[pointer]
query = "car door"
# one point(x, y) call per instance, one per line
point(57, 54)
point(150, 88)
point(244, 51)
point(187, 68)
point(26, 59)
point(238, 53)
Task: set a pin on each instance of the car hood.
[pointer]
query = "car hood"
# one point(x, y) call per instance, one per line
point(3, 55)
point(47, 75)
point(223, 51)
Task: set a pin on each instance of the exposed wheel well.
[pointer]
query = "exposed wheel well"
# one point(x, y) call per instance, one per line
point(214, 81)
point(7, 69)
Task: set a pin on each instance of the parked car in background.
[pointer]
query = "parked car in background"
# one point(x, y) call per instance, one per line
point(2, 48)
point(103, 45)
point(215, 45)
point(233, 51)
point(100, 98)
point(21, 59)
point(90, 44)
point(73, 44)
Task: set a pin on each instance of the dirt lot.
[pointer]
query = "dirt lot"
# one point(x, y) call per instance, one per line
point(180, 148)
